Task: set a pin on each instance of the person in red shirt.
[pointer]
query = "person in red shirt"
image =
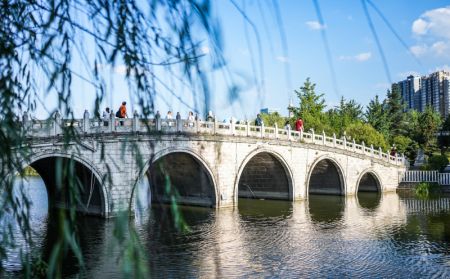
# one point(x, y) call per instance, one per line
point(299, 124)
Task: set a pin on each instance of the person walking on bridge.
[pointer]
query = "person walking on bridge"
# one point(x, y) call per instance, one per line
point(299, 124)
point(106, 117)
point(122, 112)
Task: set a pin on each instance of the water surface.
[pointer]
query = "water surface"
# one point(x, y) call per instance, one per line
point(368, 235)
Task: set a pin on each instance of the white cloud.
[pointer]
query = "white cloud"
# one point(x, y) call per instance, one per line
point(363, 56)
point(315, 25)
point(360, 57)
point(445, 68)
point(432, 29)
point(420, 27)
point(440, 48)
point(418, 50)
point(283, 59)
point(406, 74)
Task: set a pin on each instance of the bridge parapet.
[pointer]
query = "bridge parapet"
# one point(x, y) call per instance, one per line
point(91, 126)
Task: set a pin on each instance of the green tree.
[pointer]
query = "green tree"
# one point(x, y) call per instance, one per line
point(48, 46)
point(311, 108)
point(430, 122)
point(376, 115)
point(412, 124)
point(444, 138)
point(395, 111)
point(365, 132)
point(438, 162)
point(406, 145)
point(272, 118)
point(346, 113)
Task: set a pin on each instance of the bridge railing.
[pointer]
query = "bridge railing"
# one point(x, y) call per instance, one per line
point(415, 176)
point(87, 125)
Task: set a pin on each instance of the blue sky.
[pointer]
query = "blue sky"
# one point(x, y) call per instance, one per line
point(423, 25)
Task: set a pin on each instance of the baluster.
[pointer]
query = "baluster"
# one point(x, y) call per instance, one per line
point(26, 123)
point(135, 121)
point(158, 121)
point(112, 122)
point(371, 150)
point(86, 126)
point(248, 128)
point(301, 133)
point(324, 137)
point(313, 136)
point(57, 123)
point(334, 139)
point(179, 122)
point(380, 152)
point(276, 130)
point(289, 132)
point(344, 141)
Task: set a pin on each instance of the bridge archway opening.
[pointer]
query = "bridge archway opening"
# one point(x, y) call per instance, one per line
point(369, 183)
point(70, 183)
point(182, 178)
point(326, 179)
point(369, 191)
point(265, 177)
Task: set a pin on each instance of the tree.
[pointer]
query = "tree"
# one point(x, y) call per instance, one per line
point(438, 162)
point(58, 38)
point(407, 146)
point(272, 118)
point(444, 137)
point(365, 132)
point(376, 115)
point(346, 113)
point(311, 107)
point(430, 122)
point(395, 111)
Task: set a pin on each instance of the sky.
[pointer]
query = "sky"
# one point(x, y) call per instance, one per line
point(270, 56)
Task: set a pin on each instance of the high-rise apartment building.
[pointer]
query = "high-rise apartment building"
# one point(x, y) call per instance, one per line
point(410, 91)
point(432, 90)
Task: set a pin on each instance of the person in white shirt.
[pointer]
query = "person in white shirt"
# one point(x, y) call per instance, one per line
point(106, 116)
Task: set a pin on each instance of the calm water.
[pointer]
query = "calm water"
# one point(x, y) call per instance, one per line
point(368, 235)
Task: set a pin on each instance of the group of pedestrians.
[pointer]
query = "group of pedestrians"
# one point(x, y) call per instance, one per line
point(298, 123)
point(121, 113)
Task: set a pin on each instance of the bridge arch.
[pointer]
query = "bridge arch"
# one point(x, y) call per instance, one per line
point(194, 158)
point(326, 177)
point(368, 181)
point(98, 196)
point(278, 163)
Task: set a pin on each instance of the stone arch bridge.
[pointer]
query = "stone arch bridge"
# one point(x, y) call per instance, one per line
point(201, 163)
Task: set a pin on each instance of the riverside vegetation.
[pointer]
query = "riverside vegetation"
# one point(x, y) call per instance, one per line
point(382, 123)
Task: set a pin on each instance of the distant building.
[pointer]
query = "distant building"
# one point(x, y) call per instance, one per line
point(410, 91)
point(269, 110)
point(432, 90)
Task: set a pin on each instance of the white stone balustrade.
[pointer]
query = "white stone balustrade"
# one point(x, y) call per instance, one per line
point(86, 126)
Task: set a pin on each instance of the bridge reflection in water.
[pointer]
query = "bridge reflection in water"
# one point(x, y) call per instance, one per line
point(322, 236)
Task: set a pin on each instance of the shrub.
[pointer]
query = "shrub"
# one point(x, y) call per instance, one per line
point(438, 162)
point(424, 189)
